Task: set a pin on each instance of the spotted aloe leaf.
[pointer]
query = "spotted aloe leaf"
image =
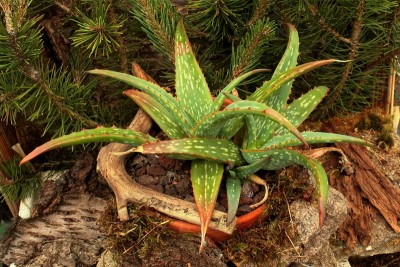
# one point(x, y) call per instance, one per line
point(228, 89)
point(206, 178)
point(271, 86)
point(165, 99)
point(296, 113)
point(219, 150)
point(244, 171)
point(165, 120)
point(100, 134)
point(288, 140)
point(212, 123)
point(191, 87)
point(299, 110)
point(233, 189)
point(268, 93)
point(233, 184)
point(278, 99)
point(232, 97)
point(280, 158)
point(250, 139)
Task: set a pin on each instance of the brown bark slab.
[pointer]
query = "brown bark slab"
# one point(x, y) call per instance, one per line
point(368, 192)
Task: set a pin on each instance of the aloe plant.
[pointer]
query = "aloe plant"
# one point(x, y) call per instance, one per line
point(199, 131)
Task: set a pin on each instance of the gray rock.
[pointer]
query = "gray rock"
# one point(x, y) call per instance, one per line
point(312, 246)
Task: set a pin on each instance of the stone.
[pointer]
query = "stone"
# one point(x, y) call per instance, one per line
point(108, 259)
point(156, 170)
point(148, 180)
point(312, 245)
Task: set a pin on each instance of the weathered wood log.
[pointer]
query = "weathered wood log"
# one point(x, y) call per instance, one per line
point(69, 235)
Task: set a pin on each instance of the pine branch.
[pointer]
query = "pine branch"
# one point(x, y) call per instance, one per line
point(158, 19)
point(121, 49)
point(251, 47)
point(219, 19)
point(96, 31)
point(64, 7)
point(355, 38)
point(24, 63)
point(259, 10)
point(21, 182)
point(314, 11)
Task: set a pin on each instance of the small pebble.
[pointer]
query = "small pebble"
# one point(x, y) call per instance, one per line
point(247, 190)
point(148, 180)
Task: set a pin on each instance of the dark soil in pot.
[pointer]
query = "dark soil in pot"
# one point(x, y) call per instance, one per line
point(172, 177)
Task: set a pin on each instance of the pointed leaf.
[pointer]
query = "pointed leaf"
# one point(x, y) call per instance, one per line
point(269, 87)
point(289, 140)
point(289, 58)
point(281, 158)
point(250, 141)
point(299, 110)
point(166, 120)
point(233, 188)
point(214, 121)
point(278, 99)
point(191, 87)
point(235, 82)
point(244, 171)
point(206, 178)
point(230, 127)
point(219, 150)
point(165, 99)
point(296, 113)
point(232, 97)
point(100, 134)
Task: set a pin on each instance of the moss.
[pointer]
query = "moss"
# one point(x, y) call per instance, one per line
point(135, 238)
point(264, 242)
point(385, 140)
point(373, 121)
point(382, 125)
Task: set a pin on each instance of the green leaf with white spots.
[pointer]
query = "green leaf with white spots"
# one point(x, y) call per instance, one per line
point(165, 119)
point(278, 99)
point(250, 141)
point(275, 84)
point(289, 140)
point(206, 178)
point(280, 158)
point(165, 99)
point(191, 87)
point(230, 128)
point(219, 150)
point(266, 94)
point(212, 123)
point(233, 188)
point(299, 110)
point(228, 89)
point(233, 98)
point(243, 172)
point(100, 134)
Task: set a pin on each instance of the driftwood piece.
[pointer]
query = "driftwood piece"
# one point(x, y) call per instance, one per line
point(126, 190)
point(68, 236)
point(368, 191)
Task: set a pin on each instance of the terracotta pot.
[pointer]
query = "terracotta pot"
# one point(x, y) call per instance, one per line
point(243, 222)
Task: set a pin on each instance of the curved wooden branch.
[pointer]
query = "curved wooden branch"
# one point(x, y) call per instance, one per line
point(126, 190)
